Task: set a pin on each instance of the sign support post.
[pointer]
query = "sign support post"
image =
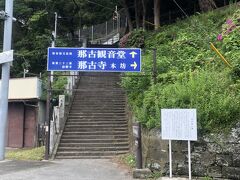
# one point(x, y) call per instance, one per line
point(189, 160)
point(7, 42)
point(179, 124)
point(170, 158)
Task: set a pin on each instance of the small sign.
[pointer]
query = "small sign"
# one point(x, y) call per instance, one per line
point(6, 56)
point(179, 124)
point(94, 59)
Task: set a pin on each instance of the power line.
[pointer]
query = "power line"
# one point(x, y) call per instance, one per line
point(92, 2)
point(181, 8)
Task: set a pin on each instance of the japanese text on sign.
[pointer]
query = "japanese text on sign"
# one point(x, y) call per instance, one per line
point(94, 59)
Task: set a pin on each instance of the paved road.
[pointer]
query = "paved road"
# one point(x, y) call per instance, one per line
point(63, 170)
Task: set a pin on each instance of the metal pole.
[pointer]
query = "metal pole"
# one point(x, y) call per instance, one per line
point(47, 125)
point(189, 160)
point(155, 66)
point(106, 29)
point(7, 41)
point(54, 39)
point(79, 35)
point(92, 34)
point(55, 28)
point(139, 147)
point(170, 158)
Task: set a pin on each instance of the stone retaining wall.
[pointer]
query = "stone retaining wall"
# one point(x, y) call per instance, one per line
point(216, 156)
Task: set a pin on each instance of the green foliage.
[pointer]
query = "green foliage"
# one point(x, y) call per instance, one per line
point(128, 159)
point(190, 74)
point(137, 38)
point(26, 154)
point(58, 86)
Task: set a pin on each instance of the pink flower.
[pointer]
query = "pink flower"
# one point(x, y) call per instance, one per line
point(229, 21)
point(219, 37)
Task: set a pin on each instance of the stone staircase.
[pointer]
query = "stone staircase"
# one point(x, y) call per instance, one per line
point(97, 124)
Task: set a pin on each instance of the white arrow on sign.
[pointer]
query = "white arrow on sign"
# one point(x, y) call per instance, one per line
point(134, 65)
point(133, 54)
point(6, 56)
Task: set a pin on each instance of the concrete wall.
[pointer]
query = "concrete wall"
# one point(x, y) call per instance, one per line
point(215, 155)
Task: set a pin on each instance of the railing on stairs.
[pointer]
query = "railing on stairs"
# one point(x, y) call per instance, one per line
point(108, 32)
point(59, 114)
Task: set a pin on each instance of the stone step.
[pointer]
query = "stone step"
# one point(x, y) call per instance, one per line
point(99, 110)
point(95, 133)
point(90, 153)
point(91, 117)
point(96, 107)
point(97, 120)
point(84, 157)
point(79, 149)
point(80, 123)
point(82, 103)
point(90, 144)
point(93, 140)
point(95, 126)
point(98, 103)
point(98, 113)
point(96, 116)
point(94, 136)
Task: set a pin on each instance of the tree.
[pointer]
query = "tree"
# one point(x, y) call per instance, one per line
point(137, 16)
point(144, 14)
point(125, 6)
point(207, 5)
point(157, 14)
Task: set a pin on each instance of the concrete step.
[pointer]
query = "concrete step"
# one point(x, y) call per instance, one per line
point(90, 153)
point(95, 133)
point(100, 126)
point(92, 140)
point(98, 103)
point(91, 117)
point(79, 149)
point(96, 120)
point(90, 110)
point(95, 107)
point(93, 104)
point(95, 129)
point(83, 157)
point(97, 123)
point(102, 114)
point(98, 113)
point(78, 123)
point(98, 144)
point(95, 136)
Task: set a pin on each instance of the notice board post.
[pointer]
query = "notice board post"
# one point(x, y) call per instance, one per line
point(179, 124)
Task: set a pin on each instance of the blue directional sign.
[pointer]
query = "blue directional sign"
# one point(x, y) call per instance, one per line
point(94, 59)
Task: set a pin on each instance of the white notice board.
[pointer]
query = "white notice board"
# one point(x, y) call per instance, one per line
point(179, 124)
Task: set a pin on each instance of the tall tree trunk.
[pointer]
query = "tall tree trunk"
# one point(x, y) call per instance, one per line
point(207, 5)
point(125, 6)
point(137, 13)
point(143, 15)
point(157, 14)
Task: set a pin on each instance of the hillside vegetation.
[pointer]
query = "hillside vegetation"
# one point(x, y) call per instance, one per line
point(189, 73)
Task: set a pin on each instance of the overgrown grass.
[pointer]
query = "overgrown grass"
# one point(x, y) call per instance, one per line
point(26, 154)
point(128, 159)
point(190, 74)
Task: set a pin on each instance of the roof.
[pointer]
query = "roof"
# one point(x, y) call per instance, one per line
point(24, 88)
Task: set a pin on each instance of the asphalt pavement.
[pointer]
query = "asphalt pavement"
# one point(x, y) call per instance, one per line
point(80, 169)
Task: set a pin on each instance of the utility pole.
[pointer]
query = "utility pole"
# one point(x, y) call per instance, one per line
point(49, 92)
point(54, 34)
point(7, 42)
